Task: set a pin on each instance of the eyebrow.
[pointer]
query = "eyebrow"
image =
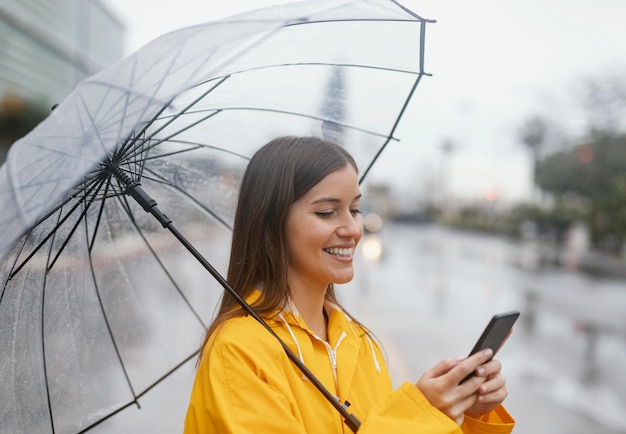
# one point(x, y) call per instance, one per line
point(333, 199)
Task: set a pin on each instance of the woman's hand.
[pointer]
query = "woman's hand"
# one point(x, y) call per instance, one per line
point(492, 392)
point(440, 385)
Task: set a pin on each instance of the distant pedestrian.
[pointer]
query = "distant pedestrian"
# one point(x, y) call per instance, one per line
point(296, 230)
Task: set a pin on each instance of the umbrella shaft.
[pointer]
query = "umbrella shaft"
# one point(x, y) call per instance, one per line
point(149, 204)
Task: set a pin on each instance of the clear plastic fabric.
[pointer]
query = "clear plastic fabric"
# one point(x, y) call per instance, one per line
point(98, 302)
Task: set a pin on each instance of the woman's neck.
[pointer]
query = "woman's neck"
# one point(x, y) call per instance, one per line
point(310, 305)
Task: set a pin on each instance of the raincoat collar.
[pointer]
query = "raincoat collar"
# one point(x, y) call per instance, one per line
point(338, 320)
point(345, 338)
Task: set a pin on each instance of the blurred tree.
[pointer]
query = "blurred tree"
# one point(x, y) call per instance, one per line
point(17, 118)
point(593, 167)
point(595, 170)
point(603, 104)
point(533, 135)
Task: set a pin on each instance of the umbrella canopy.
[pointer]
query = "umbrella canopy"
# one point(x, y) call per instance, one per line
point(97, 305)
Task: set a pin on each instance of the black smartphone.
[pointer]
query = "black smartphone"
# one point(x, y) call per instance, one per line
point(495, 334)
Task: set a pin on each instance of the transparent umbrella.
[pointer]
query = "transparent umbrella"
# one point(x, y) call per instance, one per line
point(96, 305)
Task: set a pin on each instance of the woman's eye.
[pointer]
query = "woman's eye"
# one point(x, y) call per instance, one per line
point(324, 214)
point(355, 211)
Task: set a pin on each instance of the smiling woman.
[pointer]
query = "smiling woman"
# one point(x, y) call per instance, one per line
point(296, 229)
point(323, 228)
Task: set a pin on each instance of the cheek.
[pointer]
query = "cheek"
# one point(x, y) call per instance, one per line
point(302, 237)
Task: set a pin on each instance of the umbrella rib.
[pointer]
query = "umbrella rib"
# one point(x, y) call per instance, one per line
point(92, 121)
point(99, 218)
point(406, 102)
point(163, 108)
point(191, 104)
point(154, 143)
point(167, 374)
point(277, 111)
point(194, 147)
point(113, 116)
point(131, 140)
point(35, 183)
point(390, 136)
point(128, 91)
point(173, 118)
point(87, 201)
point(52, 231)
point(365, 20)
point(287, 64)
point(141, 394)
point(11, 274)
point(43, 331)
point(307, 116)
point(108, 325)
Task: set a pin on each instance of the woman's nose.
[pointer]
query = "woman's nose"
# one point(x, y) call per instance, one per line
point(351, 226)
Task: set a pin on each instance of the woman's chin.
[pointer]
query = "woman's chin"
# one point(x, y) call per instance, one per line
point(340, 280)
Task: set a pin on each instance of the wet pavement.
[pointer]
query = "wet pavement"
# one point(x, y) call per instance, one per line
point(434, 290)
point(430, 295)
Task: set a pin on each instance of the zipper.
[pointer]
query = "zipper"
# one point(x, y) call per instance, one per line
point(332, 355)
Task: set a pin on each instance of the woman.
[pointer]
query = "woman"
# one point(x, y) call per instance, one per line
point(296, 230)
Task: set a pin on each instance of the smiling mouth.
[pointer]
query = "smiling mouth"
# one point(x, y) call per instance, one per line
point(344, 253)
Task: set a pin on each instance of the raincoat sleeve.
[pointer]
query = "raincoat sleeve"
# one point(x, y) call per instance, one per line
point(497, 421)
point(407, 410)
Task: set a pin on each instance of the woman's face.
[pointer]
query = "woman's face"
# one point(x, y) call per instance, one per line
point(323, 229)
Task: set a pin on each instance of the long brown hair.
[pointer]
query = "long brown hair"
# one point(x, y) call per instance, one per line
point(279, 173)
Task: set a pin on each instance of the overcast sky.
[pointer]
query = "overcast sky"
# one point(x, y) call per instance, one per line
point(494, 63)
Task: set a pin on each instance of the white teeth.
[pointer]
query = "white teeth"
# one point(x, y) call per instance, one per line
point(340, 252)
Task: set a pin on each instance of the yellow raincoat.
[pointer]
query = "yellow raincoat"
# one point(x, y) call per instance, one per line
point(246, 384)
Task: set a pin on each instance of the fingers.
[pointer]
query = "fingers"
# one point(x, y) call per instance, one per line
point(490, 395)
point(493, 389)
point(474, 365)
point(490, 368)
point(440, 385)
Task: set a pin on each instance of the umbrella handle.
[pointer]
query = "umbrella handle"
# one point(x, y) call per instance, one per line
point(134, 189)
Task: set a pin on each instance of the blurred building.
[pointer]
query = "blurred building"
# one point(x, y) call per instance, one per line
point(47, 47)
point(378, 199)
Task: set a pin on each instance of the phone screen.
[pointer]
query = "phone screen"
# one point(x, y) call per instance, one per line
point(495, 333)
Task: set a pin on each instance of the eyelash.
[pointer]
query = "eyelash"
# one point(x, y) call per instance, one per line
point(326, 214)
